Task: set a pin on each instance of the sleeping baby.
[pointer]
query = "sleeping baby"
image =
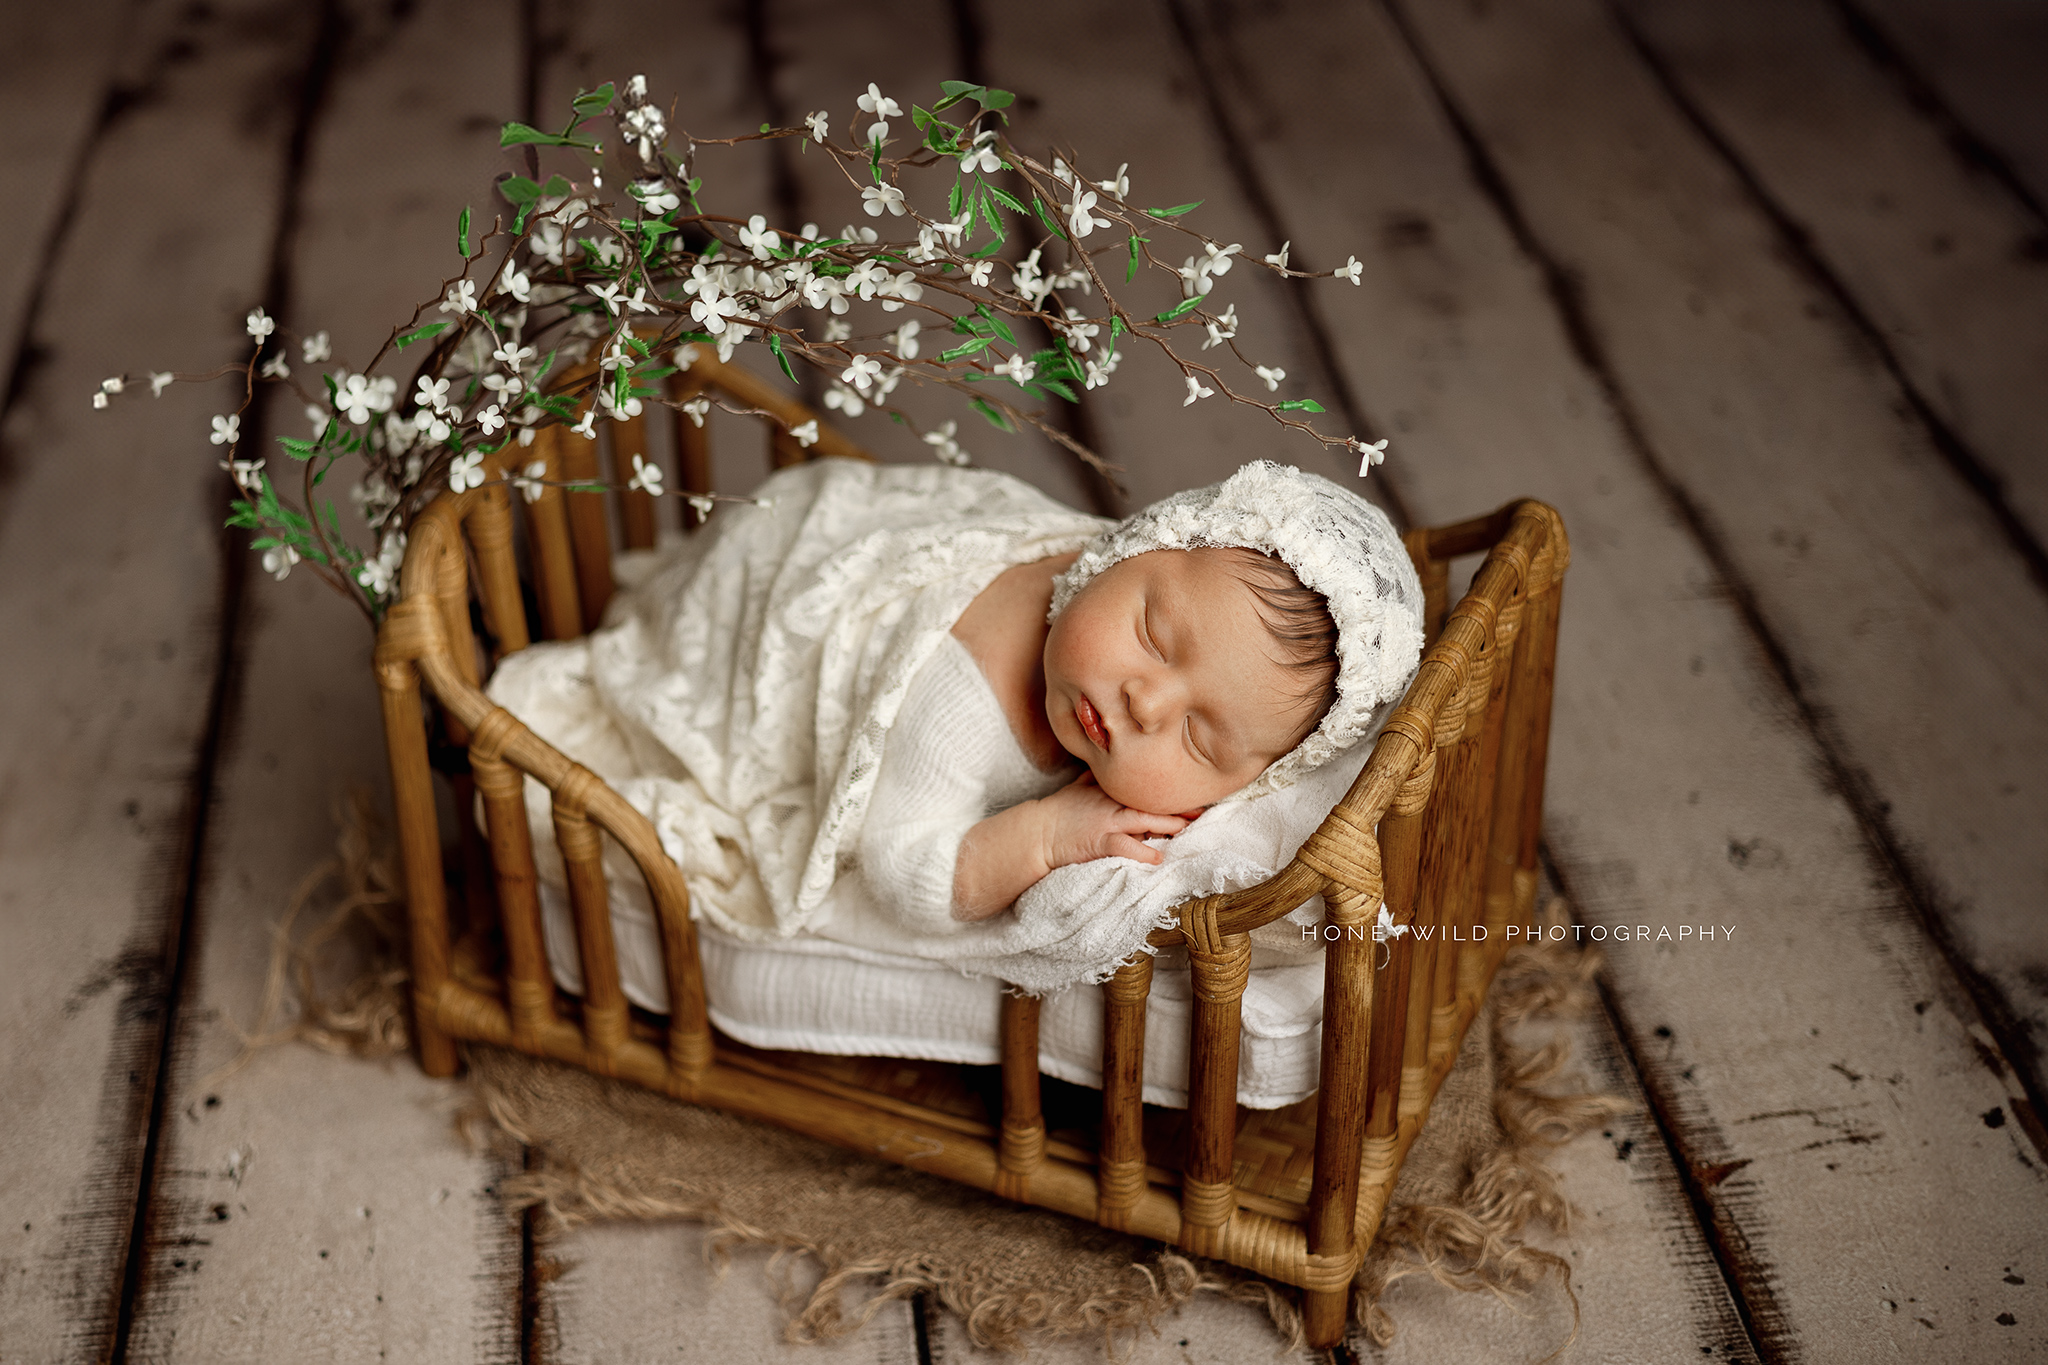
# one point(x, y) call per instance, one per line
point(890, 703)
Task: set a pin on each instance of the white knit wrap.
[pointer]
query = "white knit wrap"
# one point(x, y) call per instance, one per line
point(1338, 544)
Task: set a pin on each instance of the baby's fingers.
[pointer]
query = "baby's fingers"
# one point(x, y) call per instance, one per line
point(1130, 821)
point(1124, 846)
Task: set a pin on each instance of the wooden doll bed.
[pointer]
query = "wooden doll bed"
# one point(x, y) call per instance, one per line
point(1442, 825)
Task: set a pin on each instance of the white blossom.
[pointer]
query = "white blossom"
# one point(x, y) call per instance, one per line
point(886, 385)
point(759, 238)
point(1222, 328)
point(99, 400)
point(433, 393)
point(712, 309)
point(879, 197)
point(837, 329)
point(374, 497)
point(655, 197)
point(512, 356)
point(226, 430)
point(878, 133)
point(160, 380)
point(1279, 257)
point(981, 155)
point(1079, 334)
point(845, 400)
point(1121, 185)
point(490, 420)
point(244, 473)
point(1369, 454)
point(1195, 390)
point(1272, 375)
point(978, 273)
point(638, 303)
point(686, 355)
point(865, 236)
point(461, 298)
point(646, 127)
point(861, 373)
point(609, 295)
point(903, 341)
point(696, 409)
point(278, 561)
point(807, 434)
point(1217, 259)
point(259, 323)
point(114, 385)
point(374, 575)
point(618, 411)
point(646, 477)
point(319, 417)
point(1017, 368)
point(1080, 218)
point(399, 434)
point(701, 505)
point(1350, 270)
point(953, 228)
point(467, 472)
point(518, 283)
point(820, 126)
point(276, 367)
point(900, 290)
point(610, 252)
point(878, 104)
point(356, 396)
point(316, 348)
point(587, 428)
point(1194, 279)
point(942, 440)
point(1061, 173)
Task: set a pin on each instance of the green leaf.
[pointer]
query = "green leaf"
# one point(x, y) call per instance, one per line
point(1301, 405)
point(767, 127)
point(1132, 273)
point(898, 418)
point(298, 450)
point(995, 99)
point(1176, 211)
point(964, 350)
point(420, 334)
point(517, 189)
point(1181, 309)
point(953, 200)
point(595, 101)
point(518, 135)
point(1058, 387)
point(1052, 224)
point(462, 232)
point(988, 215)
point(996, 324)
point(775, 345)
point(556, 188)
point(997, 418)
point(1008, 201)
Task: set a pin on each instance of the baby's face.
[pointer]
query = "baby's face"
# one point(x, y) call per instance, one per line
point(1158, 677)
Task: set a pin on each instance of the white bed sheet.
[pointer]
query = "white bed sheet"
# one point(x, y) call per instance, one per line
point(813, 994)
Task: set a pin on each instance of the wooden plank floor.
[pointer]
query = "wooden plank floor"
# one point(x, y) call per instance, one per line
point(1754, 292)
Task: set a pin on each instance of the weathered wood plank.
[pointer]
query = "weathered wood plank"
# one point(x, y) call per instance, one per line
point(355, 1224)
point(1158, 106)
point(1942, 265)
point(1983, 60)
point(656, 1291)
point(1674, 742)
point(111, 622)
point(54, 76)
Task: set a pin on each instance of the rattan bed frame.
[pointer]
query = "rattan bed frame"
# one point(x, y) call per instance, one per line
point(1442, 824)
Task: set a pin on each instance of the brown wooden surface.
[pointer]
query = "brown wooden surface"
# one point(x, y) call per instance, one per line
point(1835, 1116)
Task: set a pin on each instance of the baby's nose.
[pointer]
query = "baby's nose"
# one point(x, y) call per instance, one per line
point(1152, 700)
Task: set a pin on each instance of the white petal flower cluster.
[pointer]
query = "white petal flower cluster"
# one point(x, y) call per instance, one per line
point(356, 396)
point(943, 441)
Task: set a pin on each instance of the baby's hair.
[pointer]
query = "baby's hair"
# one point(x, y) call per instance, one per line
point(1299, 620)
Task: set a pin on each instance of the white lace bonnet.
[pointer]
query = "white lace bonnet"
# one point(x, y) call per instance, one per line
point(1338, 544)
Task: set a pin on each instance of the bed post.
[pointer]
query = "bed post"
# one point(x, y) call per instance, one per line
point(1120, 1163)
point(1023, 1130)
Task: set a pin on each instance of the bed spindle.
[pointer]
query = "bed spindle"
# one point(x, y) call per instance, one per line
point(636, 505)
point(588, 531)
point(604, 1003)
point(1120, 1162)
point(1219, 967)
point(693, 446)
point(547, 537)
point(1023, 1133)
point(489, 524)
point(1475, 956)
point(529, 988)
point(1348, 989)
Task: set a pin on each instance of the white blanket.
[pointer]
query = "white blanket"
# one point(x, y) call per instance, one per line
point(740, 697)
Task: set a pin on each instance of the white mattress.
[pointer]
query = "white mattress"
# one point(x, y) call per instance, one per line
point(812, 994)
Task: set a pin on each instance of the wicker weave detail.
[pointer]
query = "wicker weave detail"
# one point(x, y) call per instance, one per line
point(1207, 1203)
point(1132, 982)
point(1415, 724)
point(1327, 1274)
point(1118, 1184)
point(1220, 974)
point(573, 795)
point(1346, 853)
point(1411, 798)
point(1023, 1145)
point(487, 741)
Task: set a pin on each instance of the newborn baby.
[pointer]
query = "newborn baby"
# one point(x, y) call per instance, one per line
point(1176, 676)
point(1179, 658)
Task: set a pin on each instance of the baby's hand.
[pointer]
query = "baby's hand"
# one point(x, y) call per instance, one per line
point(1082, 823)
